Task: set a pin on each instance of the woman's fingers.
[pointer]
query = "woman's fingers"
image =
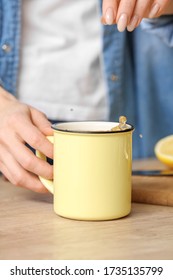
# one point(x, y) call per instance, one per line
point(129, 13)
point(19, 176)
point(40, 120)
point(124, 14)
point(27, 159)
point(140, 10)
point(119, 12)
point(21, 123)
point(160, 7)
point(19, 164)
point(146, 9)
point(109, 11)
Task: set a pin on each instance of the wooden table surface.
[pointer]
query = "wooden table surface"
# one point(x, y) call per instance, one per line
point(29, 229)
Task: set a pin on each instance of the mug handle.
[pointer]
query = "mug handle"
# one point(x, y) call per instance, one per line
point(47, 183)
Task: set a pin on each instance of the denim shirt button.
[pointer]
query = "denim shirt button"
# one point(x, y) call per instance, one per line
point(6, 48)
point(114, 77)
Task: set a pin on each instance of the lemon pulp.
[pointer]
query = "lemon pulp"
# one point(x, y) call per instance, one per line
point(164, 150)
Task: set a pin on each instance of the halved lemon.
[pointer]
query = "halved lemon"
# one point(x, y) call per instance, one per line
point(164, 150)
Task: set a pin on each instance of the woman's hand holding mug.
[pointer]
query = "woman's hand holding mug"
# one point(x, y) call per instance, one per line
point(21, 124)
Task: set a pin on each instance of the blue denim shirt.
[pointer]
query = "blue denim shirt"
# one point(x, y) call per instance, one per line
point(138, 71)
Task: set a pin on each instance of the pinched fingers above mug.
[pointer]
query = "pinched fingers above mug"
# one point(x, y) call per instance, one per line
point(129, 13)
point(109, 11)
point(146, 9)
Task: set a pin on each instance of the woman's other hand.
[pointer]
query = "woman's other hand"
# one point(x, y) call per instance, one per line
point(129, 13)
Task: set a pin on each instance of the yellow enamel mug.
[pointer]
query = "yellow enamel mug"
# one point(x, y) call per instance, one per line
point(92, 170)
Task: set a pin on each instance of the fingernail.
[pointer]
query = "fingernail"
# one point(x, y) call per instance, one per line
point(133, 23)
point(103, 21)
point(109, 16)
point(122, 23)
point(154, 11)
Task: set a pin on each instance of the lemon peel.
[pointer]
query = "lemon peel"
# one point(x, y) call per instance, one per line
point(164, 150)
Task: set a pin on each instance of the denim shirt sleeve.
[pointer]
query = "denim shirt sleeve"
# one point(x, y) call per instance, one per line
point(10, 24)
point(162, 27)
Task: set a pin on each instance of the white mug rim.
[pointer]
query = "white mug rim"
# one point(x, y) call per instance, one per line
point(103, 127)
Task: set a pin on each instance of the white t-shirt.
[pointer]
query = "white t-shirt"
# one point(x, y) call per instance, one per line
point(60, 71)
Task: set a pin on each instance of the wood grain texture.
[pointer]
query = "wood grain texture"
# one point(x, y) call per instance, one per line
point(29, 229)
point(152, 190)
